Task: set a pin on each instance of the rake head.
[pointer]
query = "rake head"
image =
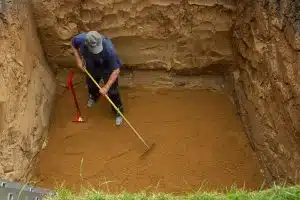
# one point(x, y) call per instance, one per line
point(147, 151)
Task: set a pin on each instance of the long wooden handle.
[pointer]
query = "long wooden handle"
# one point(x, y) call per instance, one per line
point(112, 103)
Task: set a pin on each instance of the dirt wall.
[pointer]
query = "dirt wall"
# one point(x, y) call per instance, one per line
point(150, 34)
point(267, 39)
point(26, 92)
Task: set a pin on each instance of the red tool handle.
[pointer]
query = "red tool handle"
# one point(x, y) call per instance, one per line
point(70, 86)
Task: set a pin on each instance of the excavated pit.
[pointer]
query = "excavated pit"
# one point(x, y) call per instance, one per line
point(200, 142)
point(233, 120)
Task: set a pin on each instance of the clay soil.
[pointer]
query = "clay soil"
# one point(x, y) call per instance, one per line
point(200, 144)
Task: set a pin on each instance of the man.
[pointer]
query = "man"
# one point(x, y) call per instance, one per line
point(102, 62)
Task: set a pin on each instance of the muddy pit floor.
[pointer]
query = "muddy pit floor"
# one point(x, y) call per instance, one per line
point(200, 144)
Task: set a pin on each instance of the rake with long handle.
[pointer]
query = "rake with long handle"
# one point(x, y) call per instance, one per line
point(112, 103)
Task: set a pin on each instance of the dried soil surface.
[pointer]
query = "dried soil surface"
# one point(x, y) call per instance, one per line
point(199, 140)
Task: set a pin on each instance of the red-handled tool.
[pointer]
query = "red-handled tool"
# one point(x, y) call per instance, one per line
point(78, 117)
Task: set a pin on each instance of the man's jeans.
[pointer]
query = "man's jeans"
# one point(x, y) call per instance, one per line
point(113, 92)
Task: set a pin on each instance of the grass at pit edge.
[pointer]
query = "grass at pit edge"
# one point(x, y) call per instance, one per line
point(273, 193)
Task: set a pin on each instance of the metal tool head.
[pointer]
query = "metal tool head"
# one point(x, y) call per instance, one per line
point(147, 151)
point(79, 119)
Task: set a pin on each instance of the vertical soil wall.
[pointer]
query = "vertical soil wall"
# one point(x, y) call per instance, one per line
point(267, 82)
point(176, 35)
point(26, 92)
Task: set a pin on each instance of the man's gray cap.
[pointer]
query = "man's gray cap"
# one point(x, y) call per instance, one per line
point(94, 42)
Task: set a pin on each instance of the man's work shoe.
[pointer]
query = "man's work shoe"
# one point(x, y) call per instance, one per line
point(119, 120)
point(91, 102)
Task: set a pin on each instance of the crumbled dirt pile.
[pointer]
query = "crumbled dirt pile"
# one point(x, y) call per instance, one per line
point(267, 82)
point(176, 35)
point(26, 91)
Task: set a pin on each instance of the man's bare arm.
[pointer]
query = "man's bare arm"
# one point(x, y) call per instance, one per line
point(113, 77)
point(79, 61)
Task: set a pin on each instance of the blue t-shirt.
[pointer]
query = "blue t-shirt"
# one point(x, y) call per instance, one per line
point(78, 40)
point(109, 59)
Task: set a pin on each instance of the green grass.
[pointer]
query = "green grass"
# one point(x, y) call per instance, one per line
point(274, 193)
